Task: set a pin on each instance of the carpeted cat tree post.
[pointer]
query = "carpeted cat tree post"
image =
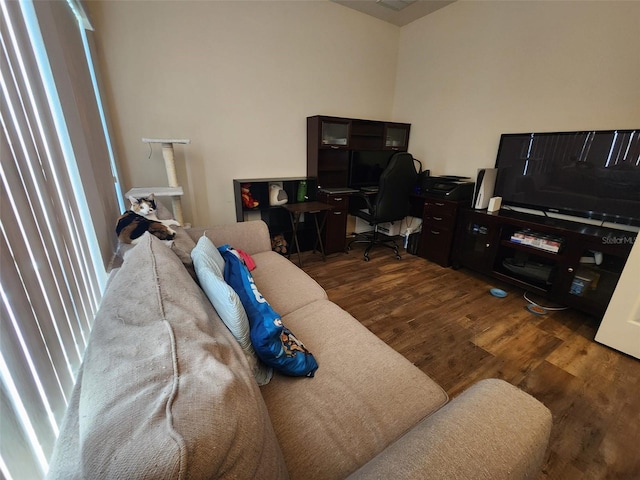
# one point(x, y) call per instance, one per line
point(174, 191)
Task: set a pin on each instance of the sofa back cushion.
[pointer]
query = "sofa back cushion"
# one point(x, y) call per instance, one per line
point(166, 391)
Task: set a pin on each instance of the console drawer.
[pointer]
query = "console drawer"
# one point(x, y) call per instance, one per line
point(440, 214)
point(446, 222)
point(440, 207)
point(438, 227)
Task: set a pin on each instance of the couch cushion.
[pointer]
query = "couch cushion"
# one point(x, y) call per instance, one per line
point(364, 396)
point(182, 246)
point(227, 303)
point(252, 236)
point(182, 243)
point(286, 286)
point(491, 431)
point(166, 391)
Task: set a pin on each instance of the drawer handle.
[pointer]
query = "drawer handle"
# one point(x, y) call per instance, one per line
point(440, 204)
point(435, 233)
point(337, 213)
point(337, 199)
point(438, 218)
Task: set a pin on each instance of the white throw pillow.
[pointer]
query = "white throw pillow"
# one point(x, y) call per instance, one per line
point(206, 246)
point(227, 303)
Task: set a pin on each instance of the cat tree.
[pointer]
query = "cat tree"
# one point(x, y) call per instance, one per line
point(173, 190)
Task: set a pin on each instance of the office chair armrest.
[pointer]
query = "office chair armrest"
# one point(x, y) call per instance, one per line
point(358, 201)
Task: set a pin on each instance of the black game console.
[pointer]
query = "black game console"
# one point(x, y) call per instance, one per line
point(534, 271)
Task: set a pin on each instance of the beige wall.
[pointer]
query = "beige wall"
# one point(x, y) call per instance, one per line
point(239, 79)
point(473, 70)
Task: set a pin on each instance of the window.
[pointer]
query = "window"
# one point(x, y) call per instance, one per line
point(54, 245)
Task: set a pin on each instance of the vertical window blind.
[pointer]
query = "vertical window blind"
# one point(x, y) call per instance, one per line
point(53, 245)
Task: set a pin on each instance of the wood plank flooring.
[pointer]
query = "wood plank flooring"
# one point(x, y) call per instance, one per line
point(447, 324)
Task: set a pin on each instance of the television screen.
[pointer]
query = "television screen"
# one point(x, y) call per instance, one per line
point(367, 166)
point(591, 174)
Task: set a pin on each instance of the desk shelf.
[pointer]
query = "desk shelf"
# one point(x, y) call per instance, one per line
point(328, 157)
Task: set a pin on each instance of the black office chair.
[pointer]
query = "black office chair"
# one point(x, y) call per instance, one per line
point(390, 204)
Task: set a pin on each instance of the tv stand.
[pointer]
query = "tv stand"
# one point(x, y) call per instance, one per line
point(574, 264)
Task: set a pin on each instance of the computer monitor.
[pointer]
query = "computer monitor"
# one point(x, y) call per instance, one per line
point(366, 166)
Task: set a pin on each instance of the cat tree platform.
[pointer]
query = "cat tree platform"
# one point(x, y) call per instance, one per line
point(157, 191)
point(173, 190)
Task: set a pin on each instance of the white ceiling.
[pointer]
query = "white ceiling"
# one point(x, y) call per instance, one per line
point(397, 12)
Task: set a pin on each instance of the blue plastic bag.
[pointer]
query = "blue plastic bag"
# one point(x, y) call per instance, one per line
point(274, 343)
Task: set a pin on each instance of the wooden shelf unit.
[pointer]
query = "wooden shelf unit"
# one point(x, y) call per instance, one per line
point(276, 217)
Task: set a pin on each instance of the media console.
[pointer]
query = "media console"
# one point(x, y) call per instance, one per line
point(574, 264)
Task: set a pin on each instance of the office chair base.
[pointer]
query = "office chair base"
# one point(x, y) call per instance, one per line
point(372, 241)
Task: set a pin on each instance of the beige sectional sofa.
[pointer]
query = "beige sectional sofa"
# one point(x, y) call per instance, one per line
point(164, 391)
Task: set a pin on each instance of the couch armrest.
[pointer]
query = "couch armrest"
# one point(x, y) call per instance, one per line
point(491, 431)
point(252, 237)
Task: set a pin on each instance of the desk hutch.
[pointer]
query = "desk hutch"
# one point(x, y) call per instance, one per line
point(330, 143)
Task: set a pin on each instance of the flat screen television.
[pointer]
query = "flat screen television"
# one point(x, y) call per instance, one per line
point(366, 166)
point(589, 174)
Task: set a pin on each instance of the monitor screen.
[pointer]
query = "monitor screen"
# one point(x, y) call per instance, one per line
point(591, 174)
point(367, 166)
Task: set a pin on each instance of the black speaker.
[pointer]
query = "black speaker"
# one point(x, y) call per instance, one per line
point(413, 243)
point(423, 180)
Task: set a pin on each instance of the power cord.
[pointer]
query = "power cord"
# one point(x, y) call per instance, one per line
point(409, 228)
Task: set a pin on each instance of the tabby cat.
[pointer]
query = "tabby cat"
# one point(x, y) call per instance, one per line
point(142, 218)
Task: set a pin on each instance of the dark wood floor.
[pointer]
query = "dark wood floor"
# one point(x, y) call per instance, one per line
point(446, 322)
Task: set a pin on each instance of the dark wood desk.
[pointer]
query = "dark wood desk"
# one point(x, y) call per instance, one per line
point(335, 233)
point(296, 210)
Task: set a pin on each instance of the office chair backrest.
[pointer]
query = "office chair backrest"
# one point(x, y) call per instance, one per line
point(396, 183)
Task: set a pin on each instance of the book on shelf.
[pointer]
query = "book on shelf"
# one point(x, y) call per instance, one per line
point(548, 243)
